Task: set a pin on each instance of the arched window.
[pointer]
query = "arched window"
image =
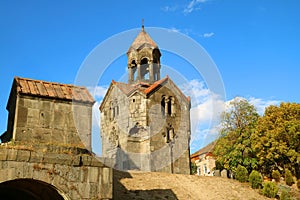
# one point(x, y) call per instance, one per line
point(163, 106)
point(156, 64)
point(114, 109)
point(168, 106)
point(144, 69)
point(134, 70)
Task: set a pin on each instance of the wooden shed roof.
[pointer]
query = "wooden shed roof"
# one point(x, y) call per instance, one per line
point(52, 90)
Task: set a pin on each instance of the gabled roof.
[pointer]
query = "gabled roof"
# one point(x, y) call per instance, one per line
point(141, 41)
point(46, 89)
point(142, 88)
point(205, 150)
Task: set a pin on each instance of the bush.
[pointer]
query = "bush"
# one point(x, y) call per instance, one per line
point(193, 168)
point(255, 179)
point(285, 195)
point(289, 180)
point(276, 175)
point(241, 174)
point(298, 184)
point(270, 189)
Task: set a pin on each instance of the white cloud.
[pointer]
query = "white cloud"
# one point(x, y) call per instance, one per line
point(98, 91)
point(261, 104)
point(169, 8)
point(208, 35)
point(193, 6)
point(96, 114)
point(206, 110)
point(173, 29)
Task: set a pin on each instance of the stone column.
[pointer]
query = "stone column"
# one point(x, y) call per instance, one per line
point(151, 71)
point(139, 72)
point(158, 71)
point(166, 105)
point(172, 107)
point(130, 75)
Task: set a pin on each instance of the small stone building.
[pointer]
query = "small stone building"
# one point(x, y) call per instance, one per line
point(45, 152)
point(145, 123)
point(46, 112)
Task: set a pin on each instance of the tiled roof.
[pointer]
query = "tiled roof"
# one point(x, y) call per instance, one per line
point(53, 90)
point(125, 88)
point(142, 40)
point(155, 85)
point(204, 150)
point(144, 88)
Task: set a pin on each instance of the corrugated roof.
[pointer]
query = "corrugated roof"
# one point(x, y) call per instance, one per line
point(53, 90)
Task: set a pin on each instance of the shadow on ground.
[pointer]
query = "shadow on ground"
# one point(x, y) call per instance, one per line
point(122, 193)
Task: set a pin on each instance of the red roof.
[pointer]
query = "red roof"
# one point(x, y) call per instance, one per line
point(52, 90)
point(144, 88)
point(205, 150)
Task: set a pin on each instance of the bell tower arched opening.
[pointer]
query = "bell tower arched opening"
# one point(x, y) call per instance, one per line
point(144, 70)
point(132, 71)
point(143, 60)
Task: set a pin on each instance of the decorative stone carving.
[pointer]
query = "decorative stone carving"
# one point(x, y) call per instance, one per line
point(169, 135)
point(138, 131)
point(114, 137)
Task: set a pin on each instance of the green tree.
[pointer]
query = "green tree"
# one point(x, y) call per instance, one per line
point(285, 195)
point(289, 180)
point(234, 146)
point(193, 168)
point(277, 138)
point(255, 179)
point(241, 174)
point(270, 189)
point(276, 175)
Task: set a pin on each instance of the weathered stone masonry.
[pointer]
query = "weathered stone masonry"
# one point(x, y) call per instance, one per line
point(75, 176)
point(45, 152)
point(145, 123)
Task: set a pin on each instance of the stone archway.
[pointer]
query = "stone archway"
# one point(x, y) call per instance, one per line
point(29, 189)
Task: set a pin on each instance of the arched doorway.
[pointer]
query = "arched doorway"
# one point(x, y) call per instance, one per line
point(29, 189)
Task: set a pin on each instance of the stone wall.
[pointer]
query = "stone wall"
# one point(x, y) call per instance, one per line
point(176, 151)
point(79, 176)
point(119, 130)
point(52, 121)
point(206, 164)
point(135, 133)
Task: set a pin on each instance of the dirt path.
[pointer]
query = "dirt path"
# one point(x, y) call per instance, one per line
point(154, 185)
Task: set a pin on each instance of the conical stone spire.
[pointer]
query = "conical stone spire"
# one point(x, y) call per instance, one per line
point(141, 41)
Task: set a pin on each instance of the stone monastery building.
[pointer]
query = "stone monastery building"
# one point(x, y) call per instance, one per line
point(145, 123)
point(45, 153)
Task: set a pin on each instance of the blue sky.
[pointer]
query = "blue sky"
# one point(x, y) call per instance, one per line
point(255, 44)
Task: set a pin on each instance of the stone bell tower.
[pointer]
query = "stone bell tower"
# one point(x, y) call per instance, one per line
point(145, 123)
point(143, 60)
